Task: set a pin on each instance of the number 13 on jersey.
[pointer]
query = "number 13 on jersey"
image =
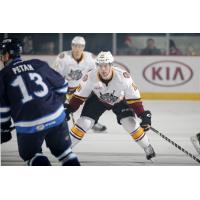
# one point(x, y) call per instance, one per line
point(37, 79)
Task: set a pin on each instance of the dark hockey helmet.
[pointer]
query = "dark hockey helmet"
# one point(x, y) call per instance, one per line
point(12, 46)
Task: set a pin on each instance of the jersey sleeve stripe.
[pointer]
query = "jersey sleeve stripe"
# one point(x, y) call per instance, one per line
point(73, 89)
point(131, 101)
point(62, 86)
point(79, 97)
point(4, 119)
point(63, 89)
point(4, 109)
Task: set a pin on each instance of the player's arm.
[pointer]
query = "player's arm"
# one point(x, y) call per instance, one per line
point(73, 85)
point(81, 94)
point(72, 89)
point(59, 64)
point(133, 98)
point(5, 115)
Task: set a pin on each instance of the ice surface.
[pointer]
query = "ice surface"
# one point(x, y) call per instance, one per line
point(178, 120)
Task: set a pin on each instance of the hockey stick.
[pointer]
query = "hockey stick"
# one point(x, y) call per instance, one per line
point(174, 144)
point(73, 120)
point(71, 114)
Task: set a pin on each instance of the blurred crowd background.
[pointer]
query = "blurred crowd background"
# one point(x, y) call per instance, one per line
point(185, 44)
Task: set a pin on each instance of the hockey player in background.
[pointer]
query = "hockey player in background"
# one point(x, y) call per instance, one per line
point(196, 142)
point(73, 65)
point(32, 94)
point(110, 88)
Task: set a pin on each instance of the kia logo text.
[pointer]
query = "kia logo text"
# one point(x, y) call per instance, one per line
point(167, 73)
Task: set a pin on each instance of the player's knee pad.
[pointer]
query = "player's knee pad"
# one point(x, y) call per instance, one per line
point(68, 158)
point(83, 124)
point(132, 126)
point(39, 160)
point(86, 123)
point(123, 111)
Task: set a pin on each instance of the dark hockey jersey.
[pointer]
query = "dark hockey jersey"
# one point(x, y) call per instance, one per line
point(31, 93)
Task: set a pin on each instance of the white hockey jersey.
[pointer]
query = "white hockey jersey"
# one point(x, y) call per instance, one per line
point(120, 86)
point(72, 70)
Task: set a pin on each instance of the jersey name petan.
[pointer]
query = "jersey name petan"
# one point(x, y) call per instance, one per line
point(22, 68)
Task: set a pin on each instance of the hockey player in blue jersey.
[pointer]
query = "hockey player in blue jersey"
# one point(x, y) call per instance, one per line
point(32, 94)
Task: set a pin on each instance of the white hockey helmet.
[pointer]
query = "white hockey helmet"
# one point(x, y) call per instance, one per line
point(78, 40)
point(104, 57)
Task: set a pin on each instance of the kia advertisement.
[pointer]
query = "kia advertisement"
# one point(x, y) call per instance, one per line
point(167, 73)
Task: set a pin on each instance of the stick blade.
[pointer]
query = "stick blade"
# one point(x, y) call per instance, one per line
point(195, 143)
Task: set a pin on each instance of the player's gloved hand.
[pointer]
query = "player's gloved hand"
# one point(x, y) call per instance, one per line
point(68, 110)
point(6, 135)
point(146, 120)
point(6, 131)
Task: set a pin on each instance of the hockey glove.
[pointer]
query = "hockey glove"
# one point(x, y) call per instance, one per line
point(68, 110)
point(6, 135)
point(146, 120)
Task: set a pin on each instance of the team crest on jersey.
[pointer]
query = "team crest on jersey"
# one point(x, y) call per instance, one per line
point(85, 78)
point(126, 75)
point(134, 86)
point(75, 74)
point(109, 97)
point(62, 55)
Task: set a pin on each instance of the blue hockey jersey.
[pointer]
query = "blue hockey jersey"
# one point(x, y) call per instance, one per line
point(31, 93)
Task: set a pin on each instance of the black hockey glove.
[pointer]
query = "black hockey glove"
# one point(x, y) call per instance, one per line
point(146, 120)
point(6, 134)
point(68, 110)
point(6, 131)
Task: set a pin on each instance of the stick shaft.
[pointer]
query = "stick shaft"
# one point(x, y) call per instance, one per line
point(175, 144)
point(71, 114)
point(73, 120)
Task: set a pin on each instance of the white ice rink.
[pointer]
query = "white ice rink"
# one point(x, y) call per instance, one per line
point(178, 120)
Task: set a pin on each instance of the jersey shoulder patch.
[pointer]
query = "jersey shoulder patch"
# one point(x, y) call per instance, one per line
point(85, 78)
point(126, 75)
point(61, 55)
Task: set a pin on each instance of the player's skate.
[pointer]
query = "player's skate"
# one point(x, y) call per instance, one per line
point(99, 128)
point(196, 142)
point(150, 153)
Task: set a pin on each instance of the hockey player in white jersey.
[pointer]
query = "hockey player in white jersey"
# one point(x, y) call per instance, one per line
point(73, 65)
point(110, 88)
